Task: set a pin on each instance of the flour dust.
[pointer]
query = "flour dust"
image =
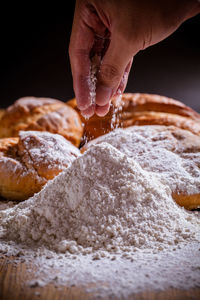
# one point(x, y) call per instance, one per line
point(105, 220)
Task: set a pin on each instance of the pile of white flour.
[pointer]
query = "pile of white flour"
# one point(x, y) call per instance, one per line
point(171, 154)
point(105, 206)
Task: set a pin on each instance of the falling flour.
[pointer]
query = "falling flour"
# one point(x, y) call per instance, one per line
point(105, 219)
point(92, 79)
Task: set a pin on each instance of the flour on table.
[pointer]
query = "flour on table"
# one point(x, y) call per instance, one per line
point(104, 200)
point(105, 212)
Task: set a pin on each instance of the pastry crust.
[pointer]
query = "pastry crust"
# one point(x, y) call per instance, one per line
point(141, 109)
point(189, 202)
point(1, 112)
point(41, 114)
point(184, 144)
point(27, 162)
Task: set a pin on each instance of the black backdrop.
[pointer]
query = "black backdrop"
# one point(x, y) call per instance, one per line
point(34, 58)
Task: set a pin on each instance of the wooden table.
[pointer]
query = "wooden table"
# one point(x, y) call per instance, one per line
point(13, 278)
point(12, 286)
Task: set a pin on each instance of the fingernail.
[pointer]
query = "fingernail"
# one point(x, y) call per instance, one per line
point(82, 100)
point(89, 112)
point(103, 95)
point(101, 111)
point(84, 106)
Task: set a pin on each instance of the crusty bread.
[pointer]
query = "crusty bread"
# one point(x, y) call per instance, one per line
point(1, 112)
point(141, 109)
point(167, 150)
point(188, 201)
point(41, 114)
point(27, 162)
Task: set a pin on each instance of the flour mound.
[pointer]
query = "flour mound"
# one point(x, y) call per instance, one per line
point(170, 153)
point(103, 200)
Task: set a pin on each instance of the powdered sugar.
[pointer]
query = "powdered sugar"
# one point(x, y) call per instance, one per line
point(105, 207)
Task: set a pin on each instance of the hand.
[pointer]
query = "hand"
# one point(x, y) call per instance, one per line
point(112, 32)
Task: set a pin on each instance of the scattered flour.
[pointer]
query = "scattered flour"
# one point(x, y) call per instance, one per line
point(92, 80)
point(115, 121)
point(105, 219)
point(44, 149)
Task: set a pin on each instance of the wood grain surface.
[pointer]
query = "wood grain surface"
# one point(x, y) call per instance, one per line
point(13, 278)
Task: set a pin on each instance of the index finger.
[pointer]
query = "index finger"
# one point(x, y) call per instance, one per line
point(81, 42)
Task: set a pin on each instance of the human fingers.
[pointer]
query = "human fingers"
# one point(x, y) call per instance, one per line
point(124, 79)
point(111, 70)
point(101, 111)
point(89, 112)
point(86, 24)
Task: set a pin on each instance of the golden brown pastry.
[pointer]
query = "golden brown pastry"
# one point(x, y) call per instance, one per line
point(141, 109)
point(41, 114)
point(27, 162)
point(170, 152)
point(188, 201)
point(1, 112)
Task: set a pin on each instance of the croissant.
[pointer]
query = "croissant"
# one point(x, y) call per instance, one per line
point(140, 109)
point(1, 112)
point(41, 114)
point(27, 162)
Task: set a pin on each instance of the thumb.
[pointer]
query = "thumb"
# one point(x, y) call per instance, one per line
point(112, 70)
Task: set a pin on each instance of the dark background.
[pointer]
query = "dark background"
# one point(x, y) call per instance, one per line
point(34, 58)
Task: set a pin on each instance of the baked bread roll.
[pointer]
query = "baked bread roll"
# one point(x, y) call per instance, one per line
point(41, 114)
point(141, 109)
point(27, 162)
point(1, 112)
point(170, 152)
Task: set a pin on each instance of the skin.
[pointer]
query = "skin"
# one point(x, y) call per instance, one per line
point(116, 31)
